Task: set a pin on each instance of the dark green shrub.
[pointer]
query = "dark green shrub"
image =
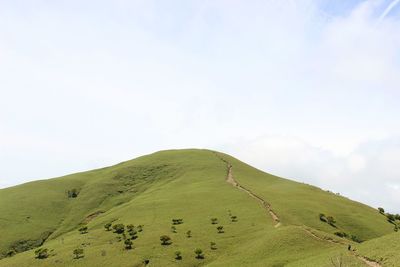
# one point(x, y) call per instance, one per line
point(133, 234)
point(119, 228)
point(140, 228)
point(107, 226)
point(391, 218)
point(356, 239)
point(214, 221)
point(41, 253)
point(213, 246)
point(177, 221)
point(220, 229)
point(189, 234)
point(83, 230)
point(73, 193)
point(178, 255)
point(128, 244)
point(331, 221)
point(322, 217)
point(199, 253)
point(381, 210)
point(173, 229)
point(165, 240)
point(78, 253)
point(341, 234)
point(234, 218)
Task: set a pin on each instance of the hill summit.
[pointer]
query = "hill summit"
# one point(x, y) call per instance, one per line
point(188, 208)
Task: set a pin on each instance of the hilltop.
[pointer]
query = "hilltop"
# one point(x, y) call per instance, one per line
point(186, 194)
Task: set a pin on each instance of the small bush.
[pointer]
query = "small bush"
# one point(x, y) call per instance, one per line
point(165, 240)
point(234, 218)
point(391, 218)
point(119, 228)
point(220, 229)
point(73, 193)
point(128, 244)
point(381, 210)
point(83, 230)
point(214, 221)
point(322, 217)
point(78, 253)
point(213, 246)
point(331, 221)
point(199, 253)
point(177, 221)
point(173, 229)
point(107, 226)
point(356, 239)
point(341, 234)
point(178, 255)
point(140, 228)
point(133, 234)
point(41, 253)
point(189, 234)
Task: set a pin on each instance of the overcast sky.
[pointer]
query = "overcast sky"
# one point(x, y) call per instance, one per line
point(308, 90)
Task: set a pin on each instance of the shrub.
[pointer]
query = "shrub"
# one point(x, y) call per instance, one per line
point(391, 218)
point(177, 221)
point(381, 210)
point(83, 230)
point(234, 218)
point(73, 193)
point(173, 229)
point(214, 221)
point(397, 217)
point(178, 255)
point(220, 229)
point(341, 234)
point(107, 226)
point(199, 253)
point(130, 227)
point(322, 217)
point(165, 240)
point(10, 253)
point(356, 239)
point(140, 228)
point(78, 253)
point(119, 228)
point(213, 246)
point(128, 244)
point(41, 253)
point(189, 234)
point(133, 234)
point(331, 221)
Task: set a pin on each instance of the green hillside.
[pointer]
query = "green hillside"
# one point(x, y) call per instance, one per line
point(267, 220)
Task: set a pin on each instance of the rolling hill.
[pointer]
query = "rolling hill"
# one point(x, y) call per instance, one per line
point(186, 195)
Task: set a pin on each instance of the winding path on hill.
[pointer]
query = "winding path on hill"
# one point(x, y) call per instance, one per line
point(231, 180)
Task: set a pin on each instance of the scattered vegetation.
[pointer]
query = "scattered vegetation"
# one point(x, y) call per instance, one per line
point(119, 228)
point(83, 230)
point(128, 244)
point(220, 229)
point(177, 221)
point(107, 226)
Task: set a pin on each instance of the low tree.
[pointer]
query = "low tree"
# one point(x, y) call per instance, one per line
point(128, 244)
point(119, 228)
point(213, 246)
point(178, 255)
point(220, 229)
point(381, 210)
point(83, 230)
point(41, 253)
point(189, 234)
point(107, 226)
point(165, 240)
point(199, 253)
point(78, 253)
point(214, 221)
point(397, 217)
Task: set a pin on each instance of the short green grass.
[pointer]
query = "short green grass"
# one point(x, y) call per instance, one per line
point(188, 184)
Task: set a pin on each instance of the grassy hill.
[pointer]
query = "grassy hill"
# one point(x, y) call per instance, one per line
point(189, 185)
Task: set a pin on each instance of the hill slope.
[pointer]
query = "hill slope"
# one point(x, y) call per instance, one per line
point(277, 220)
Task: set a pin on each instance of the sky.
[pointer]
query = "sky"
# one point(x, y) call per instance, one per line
point(305, 89)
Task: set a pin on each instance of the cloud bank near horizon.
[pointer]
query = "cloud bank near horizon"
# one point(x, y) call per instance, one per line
point(303, 89)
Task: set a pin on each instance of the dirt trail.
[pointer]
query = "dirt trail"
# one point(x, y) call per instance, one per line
point(367, 261)
point(266, 205)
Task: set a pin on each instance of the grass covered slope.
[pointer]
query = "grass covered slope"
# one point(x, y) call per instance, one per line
point(187, 184)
